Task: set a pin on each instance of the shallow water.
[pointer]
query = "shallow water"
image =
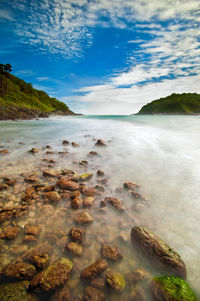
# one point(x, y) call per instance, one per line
point(161, 153)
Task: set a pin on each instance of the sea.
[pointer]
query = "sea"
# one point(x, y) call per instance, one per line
point(160, 153)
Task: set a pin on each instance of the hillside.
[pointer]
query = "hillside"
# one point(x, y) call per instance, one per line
point(186, 103)
point(19, 100)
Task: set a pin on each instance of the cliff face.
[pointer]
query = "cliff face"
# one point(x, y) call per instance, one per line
point(186, 103)
point(19, 100)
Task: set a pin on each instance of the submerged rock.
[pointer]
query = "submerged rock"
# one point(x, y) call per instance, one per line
point(88, 201)
point(98, 283)
point(76, 202)
point(52, 277)
point(52, 197)
point(51, 173)
point(117, 204)
point(137, 294)
point(95, 269)
point(65, 142)
point(84, 218)
point(4, 151)
point(100, 142)
point(169, 288)
point(89, 192)
point(86, 176)
point(33, 230)
point(77, 234)
point(16, 292)
point(74, 248)
point(62, 294)
point(100, 173)
point(18, 271)
point(75, 144)
point(39, 255)
point(10, 232)
point(111, 253)
point(158, 251)
point(93, 294)
point(130, 185)
point(68, 185)
point(34, 150)
point(115, 280)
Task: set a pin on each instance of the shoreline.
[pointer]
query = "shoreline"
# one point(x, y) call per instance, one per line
point(39, 209)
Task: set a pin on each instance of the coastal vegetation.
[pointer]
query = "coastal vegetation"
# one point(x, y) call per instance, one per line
point(19, 100)
point(185, 103)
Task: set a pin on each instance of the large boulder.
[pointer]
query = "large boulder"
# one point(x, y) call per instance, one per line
point(55, 275)
point(170, 288)
point(95, 269)
point(158, 251)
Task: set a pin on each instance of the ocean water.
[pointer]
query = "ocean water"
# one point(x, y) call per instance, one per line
point(161, 153)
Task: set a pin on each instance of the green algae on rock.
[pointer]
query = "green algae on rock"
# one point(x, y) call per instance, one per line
point(158, 251)
point(16, 291)
point(115, 280)
point(52, 277)
point(86, 176)
point(170, 288)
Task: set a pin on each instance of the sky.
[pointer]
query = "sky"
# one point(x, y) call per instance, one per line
point(103, 56)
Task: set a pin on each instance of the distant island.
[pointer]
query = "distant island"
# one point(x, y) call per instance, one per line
point(19, 100)
point(185, 103)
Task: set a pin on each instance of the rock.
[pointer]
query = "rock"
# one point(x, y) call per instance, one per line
point(74, 248)
point(170, 288)
point(100, 173)
point(3, 187)
point(99, 188)
point(137, 294)
point(33, 230)
point(93, 294)
point(9, 181)
point(52, 197)
point(29, 238)
point(34, 150)
point(31, 179)
point(9, 206)
point(77, 234)
point(88, 201)
point(92, 154)
point(4, 151)
point(138, 275)
point(19, 271)
point(62, 294)
point(117, 204)
point(18, 250)
point(55, 275)
point(16, 292)
point(89, 192)
point(158, 251)
point(6, 215)
point(111, 253)
point(100, 142)
point(68, 185)
point(65, 142)
point(51, 173)
point(115, 280)
point(95, 269)
point(76, 202)
point(83, 163)
point(10, 232)
point(39, 255)
point(130, 186)
point(74, 144)
point(98, 283)
point(86, 176)
point(84, 218)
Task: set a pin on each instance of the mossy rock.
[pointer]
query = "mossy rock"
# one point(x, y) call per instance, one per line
point(86, 176)
point(115, 280)
point(16, 292)
point(170, 288)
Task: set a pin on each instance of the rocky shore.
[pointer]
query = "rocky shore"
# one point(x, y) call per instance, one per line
point(67, 234)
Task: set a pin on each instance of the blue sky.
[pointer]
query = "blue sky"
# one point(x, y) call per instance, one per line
point(103, 56)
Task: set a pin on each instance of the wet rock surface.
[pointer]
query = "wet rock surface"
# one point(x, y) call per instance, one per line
point(52, 277)
point(93, 294)
point(95, 269)
point(16, 292)
point(18, 271)
point(158, 251)
point(115, 280)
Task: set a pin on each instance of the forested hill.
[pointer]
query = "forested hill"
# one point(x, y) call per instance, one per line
point(19, 100)
point(186, 103)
